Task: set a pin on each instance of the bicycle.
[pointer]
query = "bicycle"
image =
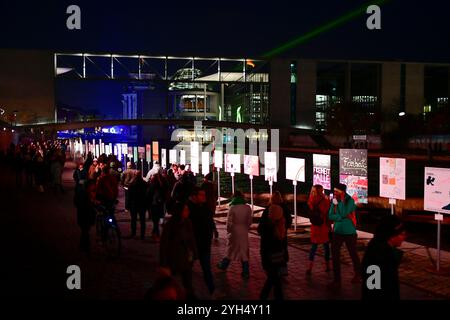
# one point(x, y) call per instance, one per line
point(108, 231)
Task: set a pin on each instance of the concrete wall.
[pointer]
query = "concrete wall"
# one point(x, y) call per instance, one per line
point(306, 93)
point(390, 93)
point(27, 84)
point(279, 93)
point(390, 85)
point(414, 95)
point(280, 97)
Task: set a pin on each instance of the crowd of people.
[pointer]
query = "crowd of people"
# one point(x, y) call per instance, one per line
point(333, 223)
point(38, 164)
point(172, 199)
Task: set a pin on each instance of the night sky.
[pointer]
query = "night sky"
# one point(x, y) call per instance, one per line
point(410, 31)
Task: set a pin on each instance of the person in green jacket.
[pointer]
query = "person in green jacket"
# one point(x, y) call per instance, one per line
point(342, 213)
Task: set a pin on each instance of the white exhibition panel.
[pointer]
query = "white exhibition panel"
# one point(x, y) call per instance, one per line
point(251, 165)
point(195, 163)
point(173, 156)
point(163, 158)
point(183, 157)
point(437, 190)
point(295, 169)
point(205, 163)
point(393, 178)
point(218, 159)
point(270, 166)
point(232, 163)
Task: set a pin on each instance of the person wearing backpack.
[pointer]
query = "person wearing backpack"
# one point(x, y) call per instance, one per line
point(318, 205)
point(342, 213)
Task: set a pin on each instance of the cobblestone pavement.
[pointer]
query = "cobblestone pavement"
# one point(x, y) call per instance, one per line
point(40, 240)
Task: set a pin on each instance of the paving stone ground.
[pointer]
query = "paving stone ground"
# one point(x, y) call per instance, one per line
point(40, 240)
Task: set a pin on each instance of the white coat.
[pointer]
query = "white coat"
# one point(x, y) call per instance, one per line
point(238, 224)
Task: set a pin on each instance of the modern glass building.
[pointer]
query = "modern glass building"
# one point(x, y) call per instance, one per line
point(235, 90)
point(280, 92)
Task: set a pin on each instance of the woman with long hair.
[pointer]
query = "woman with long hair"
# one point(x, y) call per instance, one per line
point(318, 204)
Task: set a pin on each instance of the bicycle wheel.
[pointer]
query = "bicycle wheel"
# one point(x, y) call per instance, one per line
point(112, 242)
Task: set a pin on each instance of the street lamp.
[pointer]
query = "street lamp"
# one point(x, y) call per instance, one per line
point(401, 114)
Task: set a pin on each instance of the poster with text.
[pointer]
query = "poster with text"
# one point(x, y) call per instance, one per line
point(164, 158)
point(218, 159)
point(353, 162)
point(357, 187)
point(270, 166)
point(155, 151)
point(205, 163)
point(232, 163)
point(135, 154)
point(251, 165)
point(393, 178)
point(437, 190)
point(148, 152)
point(322, 170)
point(295, 169)
point(195, 162)
point(141, 151)
point(124, 149)
point(183, 157)
point(173, 156)
point(353, 173)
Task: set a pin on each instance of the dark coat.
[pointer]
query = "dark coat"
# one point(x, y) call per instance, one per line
point(211, 194)
point(288, 224)
point(80, 178)
point(270, 244)
point(157, 196)
point(381, 254)
point(203, 226)
point(85, 209)
point(182, 189)
point(137, 193)
point(178, 248)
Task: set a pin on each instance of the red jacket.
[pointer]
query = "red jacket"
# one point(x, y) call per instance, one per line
point(107, 187)
point(320, 234)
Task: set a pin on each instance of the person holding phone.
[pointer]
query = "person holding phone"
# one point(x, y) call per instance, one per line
point(342, 213)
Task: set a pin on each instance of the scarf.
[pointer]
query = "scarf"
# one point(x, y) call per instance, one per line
point(237, 200)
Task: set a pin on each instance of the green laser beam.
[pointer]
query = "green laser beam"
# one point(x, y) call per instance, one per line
point(326, 27)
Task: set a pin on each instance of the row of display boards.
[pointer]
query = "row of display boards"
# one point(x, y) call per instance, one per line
point(353, 169)
point(353, 172)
